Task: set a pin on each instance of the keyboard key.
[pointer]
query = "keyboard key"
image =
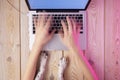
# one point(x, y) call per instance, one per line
point(55, 17)
point(59, 28)
point(81, 32)
point(56, 31)
point(57, 24)
point(62, 18)
point(33, 25)
point(81, 27)
point(60, 24)
point(33, 28)
point(54, 25)
point(79, 17)
point(53, 28)
point(33, 31)
point(57, 21)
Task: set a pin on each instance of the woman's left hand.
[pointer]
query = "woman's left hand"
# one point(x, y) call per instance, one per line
point(42, 35)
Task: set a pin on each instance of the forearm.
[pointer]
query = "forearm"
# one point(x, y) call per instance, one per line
point(32, 62)
point(83, 63)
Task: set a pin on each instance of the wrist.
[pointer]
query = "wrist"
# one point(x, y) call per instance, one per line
point(36, 48)
point(38, 42)
point(75, 50)
point(72, 47)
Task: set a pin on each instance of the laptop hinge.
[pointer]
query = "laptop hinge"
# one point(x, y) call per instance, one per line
point(58, 10)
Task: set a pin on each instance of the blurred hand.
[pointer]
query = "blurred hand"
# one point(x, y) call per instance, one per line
point(42, 35)
point(70, 35)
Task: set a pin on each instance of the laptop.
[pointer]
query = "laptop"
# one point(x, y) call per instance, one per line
point(58, 9)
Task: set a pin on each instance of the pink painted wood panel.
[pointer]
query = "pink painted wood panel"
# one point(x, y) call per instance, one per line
point(95, 51)
point(112, 39)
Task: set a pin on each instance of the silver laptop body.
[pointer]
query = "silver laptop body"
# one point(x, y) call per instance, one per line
point(58, 9)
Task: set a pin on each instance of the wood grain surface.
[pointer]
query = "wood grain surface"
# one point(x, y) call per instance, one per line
point(112, 40)
point(9, 41)
point(24, 36)
point(95, 51)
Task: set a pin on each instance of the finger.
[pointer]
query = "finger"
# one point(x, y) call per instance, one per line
point(52, 33)
point(48, 23)
point(61, 34)
point(69, 24)
point(79, 27)
point(74, 26)
point(42, 20)
point(64, 26)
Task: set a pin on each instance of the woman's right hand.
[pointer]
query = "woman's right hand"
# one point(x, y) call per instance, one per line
point(71, 35)
point(70, 38)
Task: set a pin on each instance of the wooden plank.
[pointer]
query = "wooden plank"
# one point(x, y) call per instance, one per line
point(9, 40)
point(24, 36)
point(112, 40)
point(95, 51)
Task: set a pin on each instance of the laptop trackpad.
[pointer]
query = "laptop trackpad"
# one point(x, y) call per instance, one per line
point(55, 44)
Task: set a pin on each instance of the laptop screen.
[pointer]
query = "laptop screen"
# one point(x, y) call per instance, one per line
point(57, 4)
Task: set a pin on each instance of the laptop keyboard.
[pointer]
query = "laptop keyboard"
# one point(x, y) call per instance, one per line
point(56, 21)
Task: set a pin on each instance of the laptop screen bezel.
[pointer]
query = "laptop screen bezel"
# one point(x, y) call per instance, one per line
point(50, 10)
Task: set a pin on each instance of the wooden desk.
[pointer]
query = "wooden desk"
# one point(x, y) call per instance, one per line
point(103, 42)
